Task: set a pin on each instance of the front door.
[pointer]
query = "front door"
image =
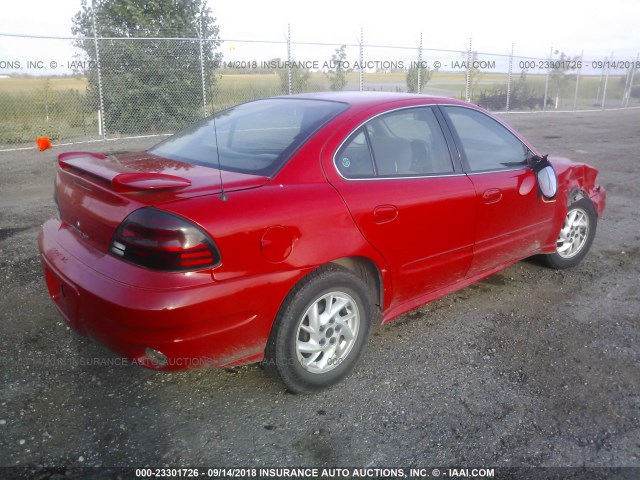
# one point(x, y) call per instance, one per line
point(512, 218)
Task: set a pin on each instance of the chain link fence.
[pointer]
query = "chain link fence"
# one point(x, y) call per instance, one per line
point(105, 88)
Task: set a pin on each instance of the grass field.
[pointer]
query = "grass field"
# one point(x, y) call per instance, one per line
point(58, 106)
point(25, 83)
point(247, 84)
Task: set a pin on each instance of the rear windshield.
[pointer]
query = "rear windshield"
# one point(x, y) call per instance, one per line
point(256, 137)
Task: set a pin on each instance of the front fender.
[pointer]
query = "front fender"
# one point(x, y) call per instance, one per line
point(578, 180)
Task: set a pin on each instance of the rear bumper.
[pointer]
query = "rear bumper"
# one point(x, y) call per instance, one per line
point(192, 319)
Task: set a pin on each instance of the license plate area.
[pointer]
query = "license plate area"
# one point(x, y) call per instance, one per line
point(64, 295)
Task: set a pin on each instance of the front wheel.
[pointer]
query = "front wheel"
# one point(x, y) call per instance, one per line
point(576, 236)
point(321, 330)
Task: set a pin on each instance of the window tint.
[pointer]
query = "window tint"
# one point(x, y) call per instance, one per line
point(255, 137)
point(486, 144)
point(268, 131)
point(407, 142)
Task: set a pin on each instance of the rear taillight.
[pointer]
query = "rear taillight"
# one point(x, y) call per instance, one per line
point(160, 240)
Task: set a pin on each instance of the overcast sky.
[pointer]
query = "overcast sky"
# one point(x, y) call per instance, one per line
point(534, 27)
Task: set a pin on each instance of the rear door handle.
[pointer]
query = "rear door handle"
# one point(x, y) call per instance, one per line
point(384, 213)
point(492, 195)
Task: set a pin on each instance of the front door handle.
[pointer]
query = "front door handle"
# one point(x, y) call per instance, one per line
point(493, 195)
point(384, 213)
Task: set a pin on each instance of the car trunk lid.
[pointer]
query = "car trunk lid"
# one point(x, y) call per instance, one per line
point(94, 192)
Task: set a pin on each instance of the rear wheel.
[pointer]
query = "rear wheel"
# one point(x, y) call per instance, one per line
point(576, 235)
point(321, 330)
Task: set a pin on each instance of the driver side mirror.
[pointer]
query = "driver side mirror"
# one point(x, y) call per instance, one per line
point(545, 175)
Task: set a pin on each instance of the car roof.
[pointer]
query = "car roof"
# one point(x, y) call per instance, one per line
point(369, 98)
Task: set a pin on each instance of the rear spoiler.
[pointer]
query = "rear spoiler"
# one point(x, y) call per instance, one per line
point(121, 178)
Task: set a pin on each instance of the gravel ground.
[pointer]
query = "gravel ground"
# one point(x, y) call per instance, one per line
point(530, 367)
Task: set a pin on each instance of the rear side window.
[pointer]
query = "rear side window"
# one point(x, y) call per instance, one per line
point(354, 160)
point(256, 137)
point(406, 142)
point(486, 143)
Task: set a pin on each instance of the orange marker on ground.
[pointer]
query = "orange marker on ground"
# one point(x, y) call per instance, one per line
point(43, 143)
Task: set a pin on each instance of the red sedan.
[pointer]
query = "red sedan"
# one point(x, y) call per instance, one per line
point(280, 230)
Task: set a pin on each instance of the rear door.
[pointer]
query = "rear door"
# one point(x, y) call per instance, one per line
point(409, 199)
point(512, 218)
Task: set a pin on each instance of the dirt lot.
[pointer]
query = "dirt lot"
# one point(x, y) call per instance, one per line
point(531, 367)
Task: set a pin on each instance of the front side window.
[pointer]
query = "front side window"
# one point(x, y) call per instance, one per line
point(255, 137)
point(406, 142)
point(486, 143)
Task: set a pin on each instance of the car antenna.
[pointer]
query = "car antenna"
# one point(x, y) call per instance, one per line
point(223, 195)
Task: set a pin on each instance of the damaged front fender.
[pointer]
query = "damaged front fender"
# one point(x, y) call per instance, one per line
point(578, 180)
point(575, 181)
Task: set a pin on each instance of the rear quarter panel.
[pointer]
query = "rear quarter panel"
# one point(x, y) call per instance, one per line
point(311, 217)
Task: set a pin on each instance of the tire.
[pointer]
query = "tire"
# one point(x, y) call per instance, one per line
point(307, 357)
point(576, 235)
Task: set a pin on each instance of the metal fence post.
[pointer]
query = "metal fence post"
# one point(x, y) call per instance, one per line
point(289, 58)
point(204, 89)
point(575, 95)
point(600, 84)
point(468, 80)
point(625, 92)
point(546, 84)
point(606, 81)
point(419, 90)
point(361, 76)
point(509, 78)
point(633, 74)
point(102, 131)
